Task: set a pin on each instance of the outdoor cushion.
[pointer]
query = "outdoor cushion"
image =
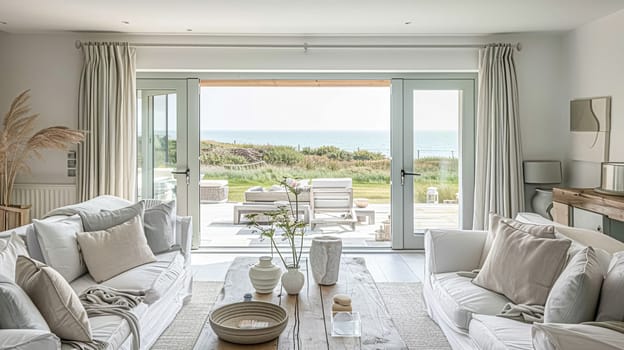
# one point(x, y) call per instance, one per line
point(499, 333)
point(154, 278)
point(460, 298)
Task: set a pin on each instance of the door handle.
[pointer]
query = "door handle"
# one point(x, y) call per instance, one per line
point(405, 173)
point(186, 172)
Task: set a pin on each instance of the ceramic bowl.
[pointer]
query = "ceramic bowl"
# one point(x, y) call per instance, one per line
point(226, 322)
point(361, 202)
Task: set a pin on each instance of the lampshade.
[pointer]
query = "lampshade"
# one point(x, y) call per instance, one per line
point(542, 172)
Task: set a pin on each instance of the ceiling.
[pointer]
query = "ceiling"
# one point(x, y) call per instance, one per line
point(302, 17)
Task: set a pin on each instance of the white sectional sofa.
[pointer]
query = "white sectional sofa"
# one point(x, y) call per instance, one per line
point(466, 313)
point(167, 283)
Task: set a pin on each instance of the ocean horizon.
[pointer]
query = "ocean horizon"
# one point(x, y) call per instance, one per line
point(438, 143)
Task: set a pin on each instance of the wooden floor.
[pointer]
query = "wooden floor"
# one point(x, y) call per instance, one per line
point(384, 267)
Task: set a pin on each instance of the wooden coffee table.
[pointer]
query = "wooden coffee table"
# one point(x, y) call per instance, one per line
point(313, 331)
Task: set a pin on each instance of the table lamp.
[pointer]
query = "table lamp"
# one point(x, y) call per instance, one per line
point(542, 172)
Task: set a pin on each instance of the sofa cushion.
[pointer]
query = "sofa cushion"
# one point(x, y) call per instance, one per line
point(10, 248)
point(58, 303)
point(499, 333)
point(521, 266)
point(109, 252)
point(18, 311)
point(460, 298)
point(541, 231)
point(611, 307)
point(559, 336)
point(57, 240)
point(108, 218)
point(154, 278)
point(28, 339)
point(159, 224)
point(574, 296)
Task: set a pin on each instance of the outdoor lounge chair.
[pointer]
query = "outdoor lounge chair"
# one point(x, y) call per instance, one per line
point(331, 202)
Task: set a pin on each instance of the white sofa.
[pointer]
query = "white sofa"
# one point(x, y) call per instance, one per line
point(466, 312)
point(167, 283)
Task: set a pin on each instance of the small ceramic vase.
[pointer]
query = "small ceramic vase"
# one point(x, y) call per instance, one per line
point(293, 280)
point(264, 275)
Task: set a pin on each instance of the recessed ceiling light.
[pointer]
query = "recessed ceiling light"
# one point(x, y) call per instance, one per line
point(189, 30)
point(125, 22)
point(3, 22)
point(408, 22)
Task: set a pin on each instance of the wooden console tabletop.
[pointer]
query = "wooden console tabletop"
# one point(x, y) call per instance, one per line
point(314, 307)
point(588, 199)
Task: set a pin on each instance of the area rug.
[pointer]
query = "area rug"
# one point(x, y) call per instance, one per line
point(183, 332)
point(407, 309)
point(403, 301)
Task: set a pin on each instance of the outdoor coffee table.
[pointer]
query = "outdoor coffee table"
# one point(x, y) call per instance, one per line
point(313, 305)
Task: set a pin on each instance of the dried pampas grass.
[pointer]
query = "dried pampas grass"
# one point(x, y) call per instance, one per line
point(18, 143)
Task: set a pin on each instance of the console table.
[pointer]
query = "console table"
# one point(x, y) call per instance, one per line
point(584, 207)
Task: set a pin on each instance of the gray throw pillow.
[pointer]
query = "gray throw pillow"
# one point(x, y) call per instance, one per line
point(18, 311)
point(611, 307)
point(108, 218)
point(574, 296)
point(159, 226)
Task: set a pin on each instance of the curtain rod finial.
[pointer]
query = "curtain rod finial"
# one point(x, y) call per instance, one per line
point(78, 44)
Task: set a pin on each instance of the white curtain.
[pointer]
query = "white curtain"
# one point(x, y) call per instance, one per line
point(107, 105)
point(498, 170)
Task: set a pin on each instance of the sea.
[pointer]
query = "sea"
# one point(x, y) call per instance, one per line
point(437, 143)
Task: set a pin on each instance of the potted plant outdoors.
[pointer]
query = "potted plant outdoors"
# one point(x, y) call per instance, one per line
point(18, 143)
point(284, 222)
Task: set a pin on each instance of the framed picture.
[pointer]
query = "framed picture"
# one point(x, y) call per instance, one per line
point(590, 126)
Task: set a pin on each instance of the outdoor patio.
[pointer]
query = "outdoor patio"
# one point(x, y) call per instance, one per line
point(218, 230)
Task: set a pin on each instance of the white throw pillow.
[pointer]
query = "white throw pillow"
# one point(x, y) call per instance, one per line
point(10, 248)
point(541, 231)
point(574, 296)
point(611, 307)
point(120, 248)
point(521, 266)
point(60, 250)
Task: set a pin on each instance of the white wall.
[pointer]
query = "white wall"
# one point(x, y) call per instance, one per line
point(595, 67)
point(50, 65)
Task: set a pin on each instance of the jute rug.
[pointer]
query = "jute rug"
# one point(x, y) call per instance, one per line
point(403, 301)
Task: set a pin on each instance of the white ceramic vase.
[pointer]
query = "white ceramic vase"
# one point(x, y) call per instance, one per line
point(293, 280)
point(325, 259)
point(264, 275)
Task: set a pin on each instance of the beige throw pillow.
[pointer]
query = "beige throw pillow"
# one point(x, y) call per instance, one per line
point(56, 300)
point(117, 249)
point(542, 231)
point(521, 266)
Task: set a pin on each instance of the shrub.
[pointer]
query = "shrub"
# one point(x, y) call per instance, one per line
point(282, 155)
point(362, 154)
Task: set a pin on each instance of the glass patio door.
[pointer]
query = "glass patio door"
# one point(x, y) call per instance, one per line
point(433, 157)
point(166, 111)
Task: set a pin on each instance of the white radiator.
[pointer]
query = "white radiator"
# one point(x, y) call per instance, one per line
point(43, 197)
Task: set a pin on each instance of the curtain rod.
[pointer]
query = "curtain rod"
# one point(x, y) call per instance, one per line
point(306, 46)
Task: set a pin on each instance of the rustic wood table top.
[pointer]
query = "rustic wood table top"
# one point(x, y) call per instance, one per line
point(309, 322)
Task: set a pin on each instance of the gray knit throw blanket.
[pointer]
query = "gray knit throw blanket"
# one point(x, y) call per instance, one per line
point(523, 313)
point(106, 301)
